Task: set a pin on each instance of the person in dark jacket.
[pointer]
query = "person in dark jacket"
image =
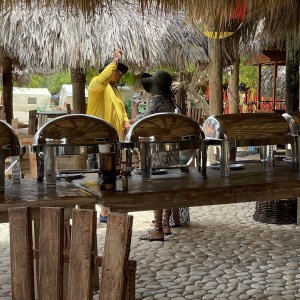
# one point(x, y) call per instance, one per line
point(159, 86)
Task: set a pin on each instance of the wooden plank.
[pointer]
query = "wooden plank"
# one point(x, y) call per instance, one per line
point(131, 274)
point(81, 260)
point(113, 281)
point(51, 253)
point(21, 254)
point(33, 122)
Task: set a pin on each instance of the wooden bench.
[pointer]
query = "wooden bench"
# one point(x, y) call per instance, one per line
point(117, 279)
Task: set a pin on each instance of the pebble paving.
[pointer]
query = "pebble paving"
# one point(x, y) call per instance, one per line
point(222, 254)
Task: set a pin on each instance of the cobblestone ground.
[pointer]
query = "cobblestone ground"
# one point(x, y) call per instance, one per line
point(221, 254)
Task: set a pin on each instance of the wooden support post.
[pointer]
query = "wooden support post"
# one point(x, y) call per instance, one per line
point(233, 93)
point(33, 122)
point(292, 78)
point(274, 84)
point(21, 254)
point(78, 86)
point(215, 77)
point(7, 89)
point(259, 87)
point(2, 111)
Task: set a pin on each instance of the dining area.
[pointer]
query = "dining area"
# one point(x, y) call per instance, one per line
point(192, 184)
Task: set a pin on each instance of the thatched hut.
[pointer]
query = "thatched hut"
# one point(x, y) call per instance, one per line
point(279, 21)
point(44, 40)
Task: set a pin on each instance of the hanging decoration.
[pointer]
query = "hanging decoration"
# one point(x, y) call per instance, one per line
point(220, 30)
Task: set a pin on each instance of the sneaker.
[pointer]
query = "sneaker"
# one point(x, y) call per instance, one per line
point(103, 219)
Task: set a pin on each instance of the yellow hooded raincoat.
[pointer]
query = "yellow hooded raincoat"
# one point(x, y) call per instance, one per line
point(105, 101)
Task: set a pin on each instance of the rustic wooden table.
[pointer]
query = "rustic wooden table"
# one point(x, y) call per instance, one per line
point(35, 194)
point(176, 189)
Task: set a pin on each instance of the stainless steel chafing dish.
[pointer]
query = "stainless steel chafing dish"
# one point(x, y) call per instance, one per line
point(71, 135)
point(239, 130)
point(164, 132)
point(10, 146)
point(294, 123)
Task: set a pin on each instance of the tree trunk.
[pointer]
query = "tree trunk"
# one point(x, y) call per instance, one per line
point(78, 86)
point(233, 92)
point(8, 89)
point(215, 77)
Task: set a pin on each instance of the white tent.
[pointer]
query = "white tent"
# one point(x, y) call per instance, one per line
point(66, 95)
point(26, 99)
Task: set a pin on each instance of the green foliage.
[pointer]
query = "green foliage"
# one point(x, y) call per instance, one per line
point(128, 79)
point(248, 74)
point(52, 82)
point(90, 74)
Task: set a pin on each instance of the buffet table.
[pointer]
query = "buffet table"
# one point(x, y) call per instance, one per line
point(35, 195)
point(176, 189)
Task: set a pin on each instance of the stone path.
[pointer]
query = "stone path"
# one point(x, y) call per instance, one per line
point(222, 254)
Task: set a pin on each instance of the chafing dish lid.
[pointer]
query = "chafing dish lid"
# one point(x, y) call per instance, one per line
point(165, 127)
point(76, 129)
point(294, 121)
point(246, 126)
point(8, 137)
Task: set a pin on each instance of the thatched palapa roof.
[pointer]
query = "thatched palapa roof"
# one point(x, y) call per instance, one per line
point(282, 16)
point(47, 39)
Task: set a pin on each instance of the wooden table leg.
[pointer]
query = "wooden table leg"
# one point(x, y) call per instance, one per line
point(298, 210)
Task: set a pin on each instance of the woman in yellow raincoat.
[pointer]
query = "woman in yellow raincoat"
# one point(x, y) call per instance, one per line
point(104, 99)
point(106, 102)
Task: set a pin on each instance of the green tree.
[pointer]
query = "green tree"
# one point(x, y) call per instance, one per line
point(248, 74)
point(52, 82)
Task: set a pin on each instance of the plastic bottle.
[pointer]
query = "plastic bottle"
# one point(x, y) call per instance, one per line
point(119, 183)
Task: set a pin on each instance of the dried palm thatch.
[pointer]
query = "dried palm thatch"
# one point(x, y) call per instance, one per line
point(268, 80)
point(281, 17)
point(47, 39)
